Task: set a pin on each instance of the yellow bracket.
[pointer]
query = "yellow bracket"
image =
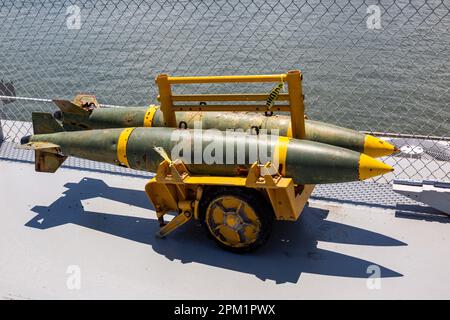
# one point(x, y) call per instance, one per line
point(174, 224)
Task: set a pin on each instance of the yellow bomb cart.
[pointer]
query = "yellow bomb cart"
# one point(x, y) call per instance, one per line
point(238, 212)
point(237, 203)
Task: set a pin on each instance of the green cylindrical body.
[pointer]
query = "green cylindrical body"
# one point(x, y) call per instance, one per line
point(306, 162)
point(134, 117)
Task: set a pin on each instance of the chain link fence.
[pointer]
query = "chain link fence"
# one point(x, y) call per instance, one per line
point(377, 66)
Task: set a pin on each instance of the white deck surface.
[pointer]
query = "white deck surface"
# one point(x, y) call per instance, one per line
point(104, 224)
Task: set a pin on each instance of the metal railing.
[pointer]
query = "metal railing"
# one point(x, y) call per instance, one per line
point(378, 66)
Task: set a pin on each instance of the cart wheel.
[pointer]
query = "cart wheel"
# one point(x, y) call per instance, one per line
point(238, 219)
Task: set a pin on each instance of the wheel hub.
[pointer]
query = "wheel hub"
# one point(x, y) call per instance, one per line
point(232, 221)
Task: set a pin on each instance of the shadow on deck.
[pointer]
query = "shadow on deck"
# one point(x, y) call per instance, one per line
point(291, 250)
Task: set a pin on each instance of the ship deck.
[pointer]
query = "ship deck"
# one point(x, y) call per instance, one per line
point(97, 218)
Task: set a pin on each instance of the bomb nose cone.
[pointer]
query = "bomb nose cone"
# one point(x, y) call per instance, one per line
point(370, 167)
point(376, 147)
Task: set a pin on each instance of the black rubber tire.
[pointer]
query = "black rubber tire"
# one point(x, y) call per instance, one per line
point(255, 199)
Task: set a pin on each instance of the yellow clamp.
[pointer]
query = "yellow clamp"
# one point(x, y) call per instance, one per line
point(148, 118)
point(122, 146)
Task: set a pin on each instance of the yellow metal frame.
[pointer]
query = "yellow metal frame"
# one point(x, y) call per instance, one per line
point(175, 189)
point(294, 97)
